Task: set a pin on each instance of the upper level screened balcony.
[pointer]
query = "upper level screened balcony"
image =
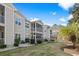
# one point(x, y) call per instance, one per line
point(39, 27)
point(2, 11)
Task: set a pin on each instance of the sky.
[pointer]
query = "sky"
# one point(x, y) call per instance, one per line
point(48, 13)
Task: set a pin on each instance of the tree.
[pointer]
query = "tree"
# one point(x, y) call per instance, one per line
point(72, 38)
point(64, 32)
point(75, 12)
point(69, 33)
point(75, 20)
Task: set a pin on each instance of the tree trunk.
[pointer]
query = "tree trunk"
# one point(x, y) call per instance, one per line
point(74, 45)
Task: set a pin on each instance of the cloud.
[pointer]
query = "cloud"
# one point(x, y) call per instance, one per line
point(34, 19)
point(48, 24)
point(70, 17)
point(62, 19)
point(53, 13)
point(64, 24)
point(66, 6)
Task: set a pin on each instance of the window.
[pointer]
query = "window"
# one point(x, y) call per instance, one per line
point(18, 21)
point(50, 31)
point(27, 25)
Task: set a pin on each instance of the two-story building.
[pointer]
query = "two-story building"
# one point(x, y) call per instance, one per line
point(37, 30)
point(46, 32)
point(12, 24)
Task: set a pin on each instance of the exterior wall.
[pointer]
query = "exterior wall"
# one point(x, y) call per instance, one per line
point(46, 32)
point(9, 25)
point(23, 29)
point(54, 32)
point(19, 29)
point(27, 29)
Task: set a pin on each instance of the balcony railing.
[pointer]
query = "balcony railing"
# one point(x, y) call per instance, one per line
point(1, 19)
point(39, 29)
point(1, 40)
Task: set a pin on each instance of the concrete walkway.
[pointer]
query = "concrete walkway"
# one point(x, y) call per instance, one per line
point(12, 47)
point(8, 48)
point(25, 45)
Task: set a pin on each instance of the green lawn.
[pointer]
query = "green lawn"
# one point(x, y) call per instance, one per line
point(44, 49)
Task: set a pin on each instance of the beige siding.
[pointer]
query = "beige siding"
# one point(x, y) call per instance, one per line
point(46, 32)
point(20, 29)
point(28, 30)
point(9, 26)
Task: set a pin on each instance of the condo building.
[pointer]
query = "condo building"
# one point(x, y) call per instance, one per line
point(14, 25)
point(54, 31)
point(46, 32)
point(37, 30)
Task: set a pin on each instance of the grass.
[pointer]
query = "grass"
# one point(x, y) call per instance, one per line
point(44, 49)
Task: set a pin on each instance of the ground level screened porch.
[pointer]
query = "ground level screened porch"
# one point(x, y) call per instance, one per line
point(1, 35)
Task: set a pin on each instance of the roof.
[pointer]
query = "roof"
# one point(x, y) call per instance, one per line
point(37, 21)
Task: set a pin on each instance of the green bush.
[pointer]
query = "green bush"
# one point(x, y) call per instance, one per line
point(52, 40)
point(3, 46)
point(32, 41)
point(45, 40)
point(27, 40)
point(22, 42)
point(15, 44)
point(17, 41)
point(39, 41)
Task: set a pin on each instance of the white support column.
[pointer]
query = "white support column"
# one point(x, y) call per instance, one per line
point(35, 34)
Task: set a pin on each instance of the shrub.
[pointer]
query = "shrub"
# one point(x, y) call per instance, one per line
point(17, 41)
point(39, 41)
point(22, 42)
point(27, 40)
point(52, 40)
point(3, 46)
point(32, 41)
point(46, 40)
point(15, 44)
